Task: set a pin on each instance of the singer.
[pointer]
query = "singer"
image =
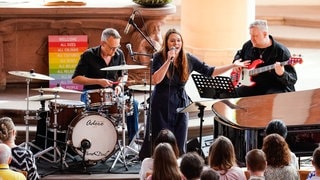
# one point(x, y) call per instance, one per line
point(169, 93)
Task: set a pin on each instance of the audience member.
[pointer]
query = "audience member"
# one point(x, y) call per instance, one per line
point(22, 159)
point(278, 159)
point(222, 158)
point(191, 165)
point(164, 135)
point(165, 166)
point(209, 174)
point(277, 126)
point(315, 175)
point(5, 158)
point(256, 164)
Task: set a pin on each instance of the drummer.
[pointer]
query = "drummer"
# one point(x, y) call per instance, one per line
point(88, 73)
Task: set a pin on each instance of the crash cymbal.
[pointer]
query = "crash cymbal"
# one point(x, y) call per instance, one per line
point(141, 87)
point(123, 67)
point(31, 75)
point(57, 90)
point(42, 97)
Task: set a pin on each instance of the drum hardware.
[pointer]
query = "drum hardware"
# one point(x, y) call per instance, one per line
point(54, 148)
point(145, 88)
point(29, 76)
point(123, 149)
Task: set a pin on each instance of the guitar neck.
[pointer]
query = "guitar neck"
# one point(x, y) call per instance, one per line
point(265, 68)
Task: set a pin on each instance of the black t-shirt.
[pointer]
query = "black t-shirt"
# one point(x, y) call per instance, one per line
point(91, 62)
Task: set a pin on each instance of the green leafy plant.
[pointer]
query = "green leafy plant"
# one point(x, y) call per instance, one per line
point(152, 3)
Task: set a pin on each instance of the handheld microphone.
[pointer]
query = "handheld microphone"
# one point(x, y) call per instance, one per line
point(172, 49)
point(130, 21)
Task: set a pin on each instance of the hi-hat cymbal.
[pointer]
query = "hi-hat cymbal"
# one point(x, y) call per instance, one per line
point(31, 75)
point(123, 67)
point(57, 90)
point(42, 97)
point(141, 87)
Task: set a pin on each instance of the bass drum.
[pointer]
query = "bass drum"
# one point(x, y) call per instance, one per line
point(96, 132)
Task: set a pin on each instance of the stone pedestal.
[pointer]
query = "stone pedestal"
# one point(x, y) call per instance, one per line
point(24, 31)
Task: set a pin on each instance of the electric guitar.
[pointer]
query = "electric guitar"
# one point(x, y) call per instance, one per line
point(243, 78)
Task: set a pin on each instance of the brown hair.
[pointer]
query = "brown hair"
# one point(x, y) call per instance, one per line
point(165, 166)
point(316, 158)
point(277, 150)
point(6, 129)
point(183, 68)
point(221, 154)
point(165, 135)
point(256, 160)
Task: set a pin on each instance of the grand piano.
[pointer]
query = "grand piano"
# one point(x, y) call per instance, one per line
point(243, 120)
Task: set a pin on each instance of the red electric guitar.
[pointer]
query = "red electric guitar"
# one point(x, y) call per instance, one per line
point(243, 78)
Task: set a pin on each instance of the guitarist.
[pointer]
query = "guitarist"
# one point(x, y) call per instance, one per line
point(262, 46)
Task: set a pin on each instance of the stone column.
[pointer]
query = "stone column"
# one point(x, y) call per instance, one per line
point(214, 30)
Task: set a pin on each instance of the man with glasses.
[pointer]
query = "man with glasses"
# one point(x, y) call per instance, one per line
point(88, 73)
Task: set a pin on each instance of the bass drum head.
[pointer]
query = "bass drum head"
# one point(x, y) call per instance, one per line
point(96, 129)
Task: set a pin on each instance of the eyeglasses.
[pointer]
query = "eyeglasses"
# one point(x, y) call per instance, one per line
point(112, 48)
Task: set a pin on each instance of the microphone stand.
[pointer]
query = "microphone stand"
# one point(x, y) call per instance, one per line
point(150, 76)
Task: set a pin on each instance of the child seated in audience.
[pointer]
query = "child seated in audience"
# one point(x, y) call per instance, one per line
point(209, 174)
point(315, 175)
point(164, 135)
point(277, 126)
point(165, 166)
point(256, 164)
point(191, 165)
point(222, 158)
point(278, 159)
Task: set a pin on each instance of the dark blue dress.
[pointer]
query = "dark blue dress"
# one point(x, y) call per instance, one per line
point(169, 95)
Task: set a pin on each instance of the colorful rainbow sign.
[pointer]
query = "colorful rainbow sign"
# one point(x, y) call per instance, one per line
point(64, 54)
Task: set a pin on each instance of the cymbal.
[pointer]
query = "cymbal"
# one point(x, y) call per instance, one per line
point(123, 67)
point(31, 75)
point(141, 87)
point(42, 97)
point(58, 89)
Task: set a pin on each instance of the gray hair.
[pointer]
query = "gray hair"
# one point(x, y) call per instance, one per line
point(5, 153)
point(261, 24)
point(109, 32)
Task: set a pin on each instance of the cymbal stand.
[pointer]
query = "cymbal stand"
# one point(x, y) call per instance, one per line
point(55, 149)
point(27, 118)
point(145, 115)
point(123, 147)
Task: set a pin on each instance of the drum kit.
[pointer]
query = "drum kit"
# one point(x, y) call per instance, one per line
point(83, 128)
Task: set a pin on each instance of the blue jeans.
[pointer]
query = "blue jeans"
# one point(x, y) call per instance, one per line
point(132, 120)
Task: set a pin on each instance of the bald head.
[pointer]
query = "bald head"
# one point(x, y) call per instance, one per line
point(5, 154)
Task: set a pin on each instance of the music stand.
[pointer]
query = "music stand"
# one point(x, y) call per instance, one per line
point(218, 87)
point(195, 107)
point(208, 87)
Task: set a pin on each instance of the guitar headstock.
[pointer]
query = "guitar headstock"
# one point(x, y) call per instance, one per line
point(295, 59)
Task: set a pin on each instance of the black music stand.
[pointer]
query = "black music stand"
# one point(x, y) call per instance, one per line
point(208, 87)
point(218, 87)
point(195, 107)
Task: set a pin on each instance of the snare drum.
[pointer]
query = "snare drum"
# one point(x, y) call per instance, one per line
point(98, 132)
point(67, 110)
point(100, 97)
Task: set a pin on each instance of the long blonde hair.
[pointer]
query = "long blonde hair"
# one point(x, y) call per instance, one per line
point(183, 67)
